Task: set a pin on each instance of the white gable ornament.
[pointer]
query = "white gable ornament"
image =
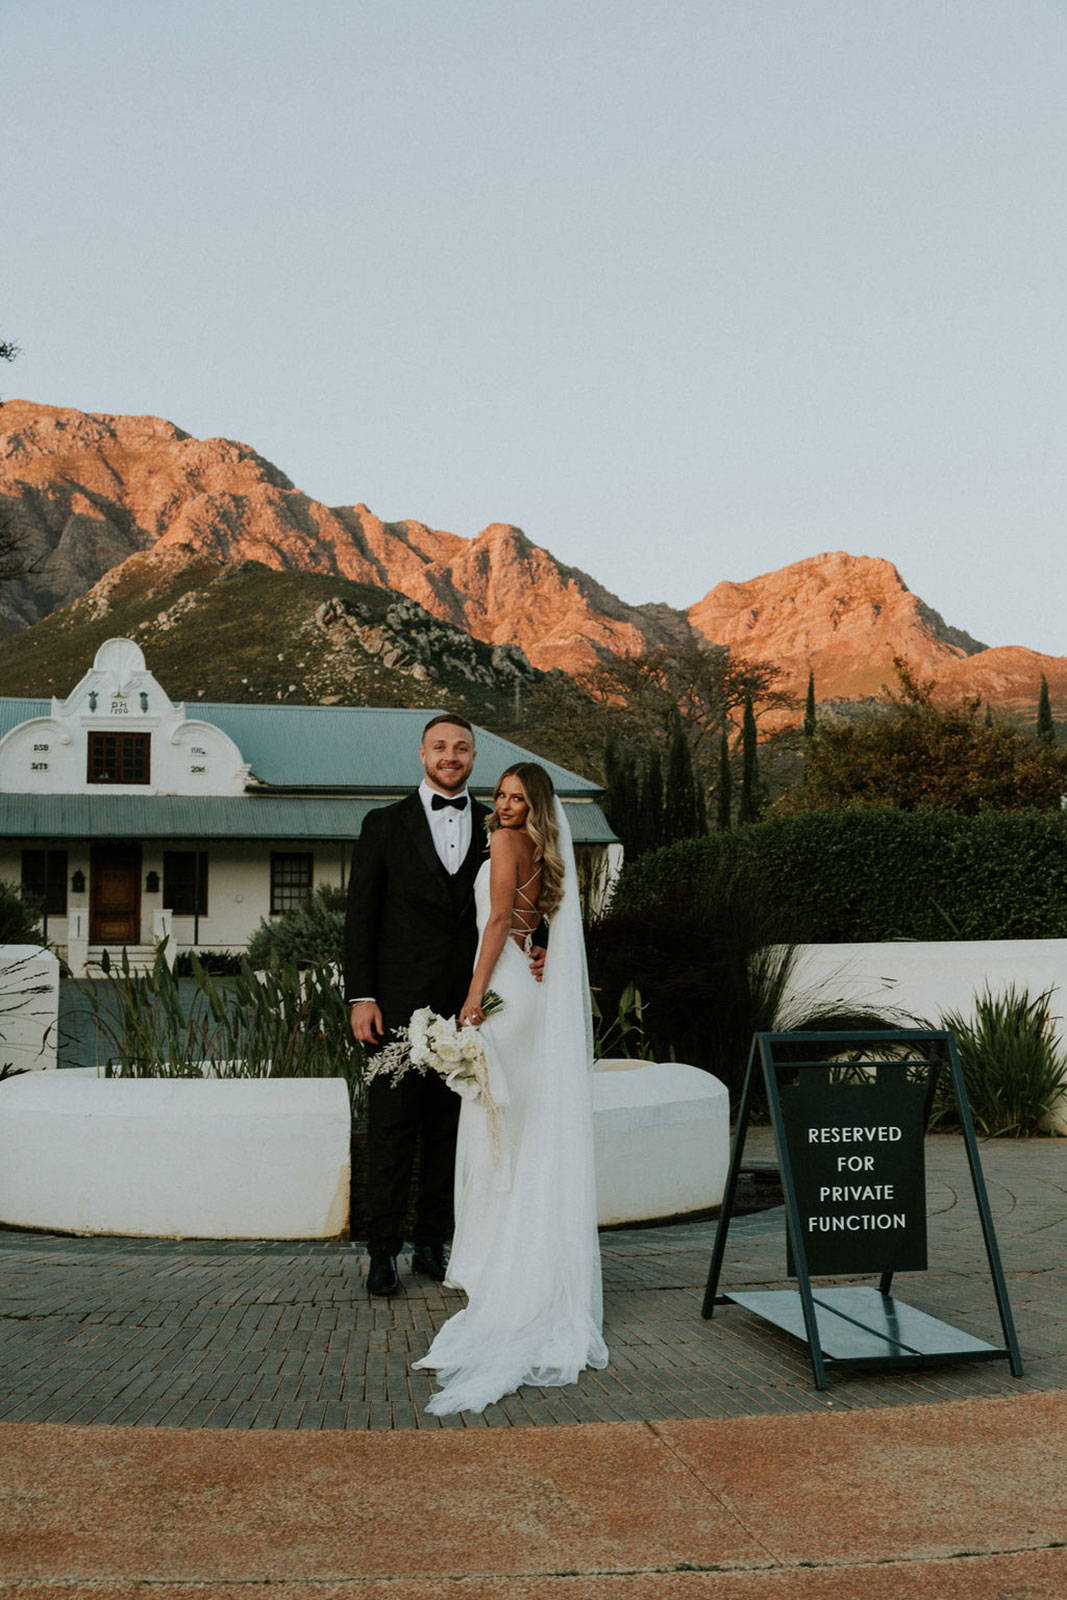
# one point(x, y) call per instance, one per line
point(169, 752)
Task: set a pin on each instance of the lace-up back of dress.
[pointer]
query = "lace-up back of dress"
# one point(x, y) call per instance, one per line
point(524, 913)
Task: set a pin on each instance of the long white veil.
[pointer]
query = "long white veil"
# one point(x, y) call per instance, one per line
point(535, 1309)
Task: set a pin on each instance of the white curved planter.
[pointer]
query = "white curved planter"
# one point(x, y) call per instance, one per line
point(661, 1134)
point(263, 1158)
point(251, 1158)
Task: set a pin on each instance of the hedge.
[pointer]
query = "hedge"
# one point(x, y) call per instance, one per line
point(877, 873)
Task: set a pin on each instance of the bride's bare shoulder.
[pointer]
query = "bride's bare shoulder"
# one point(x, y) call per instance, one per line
point(505, 844)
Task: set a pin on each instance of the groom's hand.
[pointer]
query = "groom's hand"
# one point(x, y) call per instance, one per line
point(537, 962)
point(366, 1022)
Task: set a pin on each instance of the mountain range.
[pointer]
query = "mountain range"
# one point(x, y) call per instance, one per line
point(122, 512)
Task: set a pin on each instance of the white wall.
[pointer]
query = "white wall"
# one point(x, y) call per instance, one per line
point(925, 979)
point(28, 1020)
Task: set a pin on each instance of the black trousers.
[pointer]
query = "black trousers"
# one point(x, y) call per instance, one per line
point(418, 1113)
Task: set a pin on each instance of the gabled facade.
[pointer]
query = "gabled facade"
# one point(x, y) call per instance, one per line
point(132, 819)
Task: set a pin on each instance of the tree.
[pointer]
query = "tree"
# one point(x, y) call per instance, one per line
point(651, 807)
point(809, 706)
point(725, 784)
point(8, 351)
point(1046, 728)
point(912, 753)
point(703, 684)
point(684, 801)
point(750, 803)
point(621, 794)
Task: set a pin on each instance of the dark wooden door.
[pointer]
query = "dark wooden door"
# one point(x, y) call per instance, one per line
point(115, 894)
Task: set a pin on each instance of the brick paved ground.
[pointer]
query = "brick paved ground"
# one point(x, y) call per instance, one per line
point(285, 1336)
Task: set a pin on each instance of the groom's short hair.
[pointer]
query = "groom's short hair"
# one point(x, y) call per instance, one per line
point(448, 716)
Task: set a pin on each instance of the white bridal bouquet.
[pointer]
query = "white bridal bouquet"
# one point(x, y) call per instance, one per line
point(430, 1043)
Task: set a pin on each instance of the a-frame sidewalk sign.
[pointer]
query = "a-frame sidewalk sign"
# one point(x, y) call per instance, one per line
point(849, 1113)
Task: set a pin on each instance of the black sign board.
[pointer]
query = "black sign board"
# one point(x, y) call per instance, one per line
point(850, 1148)
point(856, 1150)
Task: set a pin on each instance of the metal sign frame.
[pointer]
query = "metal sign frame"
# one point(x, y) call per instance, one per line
point(857, 1326)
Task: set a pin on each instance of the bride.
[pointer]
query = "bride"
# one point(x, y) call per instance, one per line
point(525, 1248)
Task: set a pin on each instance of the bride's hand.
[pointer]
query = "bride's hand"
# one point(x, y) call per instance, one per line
point(470, 1012)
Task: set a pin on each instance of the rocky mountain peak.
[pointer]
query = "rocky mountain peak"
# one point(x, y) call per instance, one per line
point(93, 492)
point(844, 617)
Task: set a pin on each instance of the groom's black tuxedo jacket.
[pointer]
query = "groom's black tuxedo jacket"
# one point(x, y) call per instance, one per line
point(410, 931)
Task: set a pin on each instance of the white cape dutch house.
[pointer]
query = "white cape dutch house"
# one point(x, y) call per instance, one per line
point(131, 819)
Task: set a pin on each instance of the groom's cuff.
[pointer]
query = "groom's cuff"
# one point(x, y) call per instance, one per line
point(361, 1000)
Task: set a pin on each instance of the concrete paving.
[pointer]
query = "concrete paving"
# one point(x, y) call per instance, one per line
point(199, 1418)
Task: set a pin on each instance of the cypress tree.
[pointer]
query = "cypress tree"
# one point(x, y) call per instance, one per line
point(611, 769)
point(680, 812)
point(988, 715)
point(629, 827)
point(748, 807)
point(809, 707)
point(723, 797)
point(621, 799)
point(1046, 728)
point(651, 807)
point(613, 779)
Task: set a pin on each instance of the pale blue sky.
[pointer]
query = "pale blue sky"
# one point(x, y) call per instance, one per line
point(685, 290)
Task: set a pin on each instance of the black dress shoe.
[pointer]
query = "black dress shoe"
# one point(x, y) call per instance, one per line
point(429, 1261)
point(382, 1277)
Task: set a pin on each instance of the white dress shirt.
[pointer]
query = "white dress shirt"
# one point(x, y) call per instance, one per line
point(449, 828)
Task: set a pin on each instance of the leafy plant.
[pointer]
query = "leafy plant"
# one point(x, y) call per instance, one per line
point(20, 917)
point(1013, 1067)
point(621, 1033)
point(309, 935)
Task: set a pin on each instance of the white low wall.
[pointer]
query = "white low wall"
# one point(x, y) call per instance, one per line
point(925, 979)
point(254, 1158)
point(661, 1133)
point(29, 1006)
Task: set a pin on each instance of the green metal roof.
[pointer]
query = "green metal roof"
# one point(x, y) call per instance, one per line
point(359, 747)
point(164, 816)
point(367, 748)
point(12, 712)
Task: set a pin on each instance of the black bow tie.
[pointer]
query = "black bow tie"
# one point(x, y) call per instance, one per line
point(439, 801)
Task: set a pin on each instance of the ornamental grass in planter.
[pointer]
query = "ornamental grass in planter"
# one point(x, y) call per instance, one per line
point(1013, 1066)
point(285, 1022)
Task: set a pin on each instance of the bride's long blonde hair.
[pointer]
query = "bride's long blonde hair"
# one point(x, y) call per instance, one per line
point(541, 826)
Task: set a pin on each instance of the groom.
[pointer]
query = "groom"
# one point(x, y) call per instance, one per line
point(410, 941)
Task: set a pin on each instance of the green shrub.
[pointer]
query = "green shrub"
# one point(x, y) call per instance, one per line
point(20, 919)
point(310, 934)
point(876, 873)
point(711, 968)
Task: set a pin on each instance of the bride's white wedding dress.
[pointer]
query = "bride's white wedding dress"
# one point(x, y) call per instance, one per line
point(525, 1248)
